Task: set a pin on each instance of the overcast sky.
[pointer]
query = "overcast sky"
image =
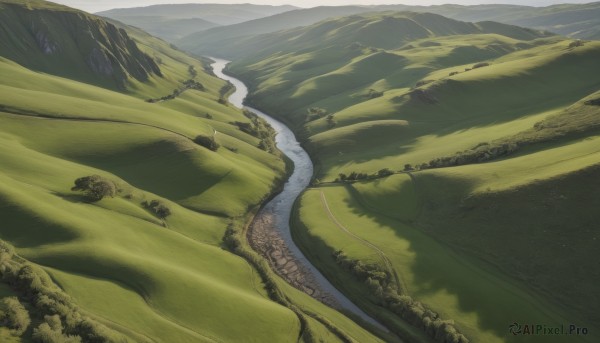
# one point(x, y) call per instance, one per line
point(101, 5)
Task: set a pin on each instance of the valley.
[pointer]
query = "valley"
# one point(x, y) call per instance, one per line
point(382, 173)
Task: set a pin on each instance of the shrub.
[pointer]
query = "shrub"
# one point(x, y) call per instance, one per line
point(374, 94)
point(481, 65)
point(423, 83)
point(576, 43)
point(331, 123)
point(15, 315)
point(408, 167)
point(207, 142)
point(158, 208)
point(385, 172)
point(593, 102)
point(453, 73)
point(95, 187)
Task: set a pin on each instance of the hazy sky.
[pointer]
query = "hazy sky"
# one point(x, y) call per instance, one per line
point(96, 5)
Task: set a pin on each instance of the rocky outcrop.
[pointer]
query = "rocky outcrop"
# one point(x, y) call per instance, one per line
point(69, 43)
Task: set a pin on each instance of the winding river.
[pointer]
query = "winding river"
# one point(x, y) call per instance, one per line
point(280, 208)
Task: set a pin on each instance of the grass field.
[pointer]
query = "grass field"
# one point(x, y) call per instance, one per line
point(150, 278)
point(483, 244)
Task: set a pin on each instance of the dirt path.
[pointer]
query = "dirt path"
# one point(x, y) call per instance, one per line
point(386, 260)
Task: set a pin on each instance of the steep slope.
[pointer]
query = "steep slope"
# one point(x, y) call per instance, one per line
point(146, 261)
point(435, 140)
point(72, 44)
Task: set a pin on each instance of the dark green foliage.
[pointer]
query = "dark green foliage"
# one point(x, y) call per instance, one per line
point(374, 94)
point(408, 167)
point(454, 73)
point(593, 102)
point(481, 65)
point(259, 129)
point(14, 315)
point(207, 142)
point(95, 187)
point(158, 208)
point(229, 87)
point(385, 172)
point(315, 113)
point(192, 71)
point(51, 331)
point(410, 310)
point(331, 123)
point(575, 44)
point(208, 116)
point(423, 83)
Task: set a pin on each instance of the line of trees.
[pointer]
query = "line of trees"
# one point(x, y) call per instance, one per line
point(412, 311)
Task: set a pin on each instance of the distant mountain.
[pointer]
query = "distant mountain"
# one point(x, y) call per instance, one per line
point(166, 28)
point(576, 20)
point(573, 20)
point(385, 30)
point(282, 21)
point(61, 41)
point(215, 13)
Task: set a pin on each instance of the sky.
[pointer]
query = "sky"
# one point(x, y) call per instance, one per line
point(101, 5)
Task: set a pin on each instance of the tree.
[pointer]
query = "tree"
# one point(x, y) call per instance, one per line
point(408, 167)
point(343, 177)
point(158, 208)
point(385, 172)
point(15, 315)
point(95, 187)
point(207, 142)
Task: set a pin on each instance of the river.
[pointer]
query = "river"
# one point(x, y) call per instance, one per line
point(280, 207)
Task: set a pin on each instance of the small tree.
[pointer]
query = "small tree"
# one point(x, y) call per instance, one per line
point(343, 177)
point(408, 167)
point(95, 187)
point(385, 172)
point(207, 142)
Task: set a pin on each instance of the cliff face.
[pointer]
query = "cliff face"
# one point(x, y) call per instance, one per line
point(65, 42)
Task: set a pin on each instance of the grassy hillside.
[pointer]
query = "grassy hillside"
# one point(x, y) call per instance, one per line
point(169, 29)
point(147, 260)
point(56, 40)
point(572, 20)
point(174, 21)
point(474, 146)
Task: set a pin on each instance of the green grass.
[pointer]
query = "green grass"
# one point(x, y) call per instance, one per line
point(483, 244)
point(164, 280)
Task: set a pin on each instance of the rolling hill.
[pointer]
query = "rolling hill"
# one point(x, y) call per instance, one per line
point(453, 166)
point(172, 22)
point(134, 252)
point(573, 20)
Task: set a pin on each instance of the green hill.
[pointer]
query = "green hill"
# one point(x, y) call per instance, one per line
point(573, 20)
point(457, 157)
point(169, 29)
point(62, 42)
point(140, 255)
point(174, 21)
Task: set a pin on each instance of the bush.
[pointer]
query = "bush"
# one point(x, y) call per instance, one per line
point(593, 102)
point(158, 208)
point(576, 43)
point(481, 65)
point(385, 172)
point(374, 94)
point(51, 331)
point(15, 315)
point(453, 73)
point(207, 142)
point(95, 187)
